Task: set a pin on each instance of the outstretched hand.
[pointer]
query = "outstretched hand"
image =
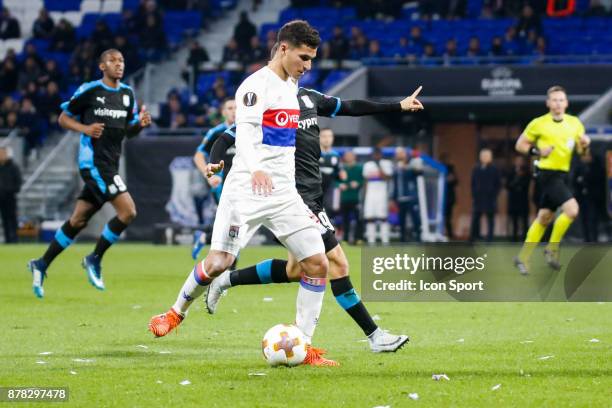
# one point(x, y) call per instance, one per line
point(214, 168)
point(145, 117)
point(411, 103)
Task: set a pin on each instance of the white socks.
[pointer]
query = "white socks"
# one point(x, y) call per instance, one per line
point(193, 288)
point(309, 303)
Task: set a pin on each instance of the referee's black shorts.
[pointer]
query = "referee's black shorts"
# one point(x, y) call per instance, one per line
point(553, 189)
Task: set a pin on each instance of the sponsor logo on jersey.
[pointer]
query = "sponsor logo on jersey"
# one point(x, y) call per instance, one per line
point(307, 123)
point(111, 113)
point(307, 102)
point(101, 99)
point(126, 100)
point(279, 126)
point(250, 99)
point(233, 231)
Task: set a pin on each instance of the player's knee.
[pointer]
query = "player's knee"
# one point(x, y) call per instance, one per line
point(572, 211)
point(545, 218)
point(316, 266)
point(78, 222)
point(216, 264)
point(127, 216)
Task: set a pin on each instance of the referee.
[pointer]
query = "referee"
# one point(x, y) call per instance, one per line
point(551, 138)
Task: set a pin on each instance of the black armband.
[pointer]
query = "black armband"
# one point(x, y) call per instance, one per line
point(534, 151)
point(362, 108)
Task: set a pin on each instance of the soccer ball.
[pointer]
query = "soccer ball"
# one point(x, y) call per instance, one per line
point(284, 344)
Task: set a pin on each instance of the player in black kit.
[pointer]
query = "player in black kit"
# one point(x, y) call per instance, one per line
point(103, 112)
point(309, 185)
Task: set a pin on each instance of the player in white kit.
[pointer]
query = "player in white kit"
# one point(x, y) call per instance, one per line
point(377, 173)
point(260, 189)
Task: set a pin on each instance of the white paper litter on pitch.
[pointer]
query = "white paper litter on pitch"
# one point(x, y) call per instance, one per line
point(376, 317)
point(268, 299)
point(165, 352)
point(526, 341)
point(41, 362)
point(83, 360)
point(234, 311)
point(383, 406)
point(45, 353)
point(496, 387)
point(159, 382)
point(545, 357)
point(136, 307)
point(460, 340)
point(594, 341)
point(439, 377)
point(73, 372)
point(413, 396)
point(257, 374)
point(185, 382)
point(142, 346)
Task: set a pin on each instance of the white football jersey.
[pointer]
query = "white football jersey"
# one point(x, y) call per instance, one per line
point(270, 104)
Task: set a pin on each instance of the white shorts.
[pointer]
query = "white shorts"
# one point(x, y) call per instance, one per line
point(376, 203)
point(240, 215)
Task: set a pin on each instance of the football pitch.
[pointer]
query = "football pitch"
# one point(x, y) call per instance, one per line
point(97, 343)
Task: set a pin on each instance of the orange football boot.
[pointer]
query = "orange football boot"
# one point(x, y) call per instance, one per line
point(314, 357)
point(163, 324)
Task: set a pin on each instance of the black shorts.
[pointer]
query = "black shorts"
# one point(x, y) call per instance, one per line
point(100, 186)
point(329, 236)
point(552, 188)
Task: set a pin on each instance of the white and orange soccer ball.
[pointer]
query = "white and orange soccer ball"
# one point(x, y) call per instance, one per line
point(284, 344)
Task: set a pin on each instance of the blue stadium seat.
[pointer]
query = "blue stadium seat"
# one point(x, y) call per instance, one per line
point(176, 23)
point(63, 5)
point(333, 78)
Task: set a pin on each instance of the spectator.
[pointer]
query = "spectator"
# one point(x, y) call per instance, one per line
point(338, 45)
point(31, 52)
point(588, 179)
point(329, 166)
point(528, 21)
point(29, 73)
point(244, 31)
point(450, 51)
point(64, 37)
point(43, 25)
point(8, 105)
point(374, 50)
point(377, 173)
point(152, 38)
point(450, 197)
point(518, 198)
point(497, 47)
point(29, 123)
point(416, 41)
point(9, 76)
point(231, 52)
point(129, 23)
point(31, 92)
point(429, 55)
point(9, 26)
point(474, 48)
point(102, 37)
point(258, 53)
point(486, 183)
point(350, 190)
point(49, 103)
point(130, 55)
point(405, 193)
point(511, 44)
point(146, 9)
point(10, 184)
point(169, 111)
point(51, 74)
point(359, 49)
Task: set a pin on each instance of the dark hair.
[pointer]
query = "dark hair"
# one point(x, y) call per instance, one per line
point(556, 88)
point(108, 52)
point(298, 32)
point(226, 100)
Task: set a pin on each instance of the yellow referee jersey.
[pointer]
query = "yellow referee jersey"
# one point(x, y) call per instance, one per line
point(544, 132)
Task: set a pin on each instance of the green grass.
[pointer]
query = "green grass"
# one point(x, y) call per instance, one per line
point(217, 353)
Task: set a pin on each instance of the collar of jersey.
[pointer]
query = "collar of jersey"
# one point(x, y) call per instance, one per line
point(108, 88)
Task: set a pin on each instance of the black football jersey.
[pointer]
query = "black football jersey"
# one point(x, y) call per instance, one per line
point(307, 149)
point(96, 102)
